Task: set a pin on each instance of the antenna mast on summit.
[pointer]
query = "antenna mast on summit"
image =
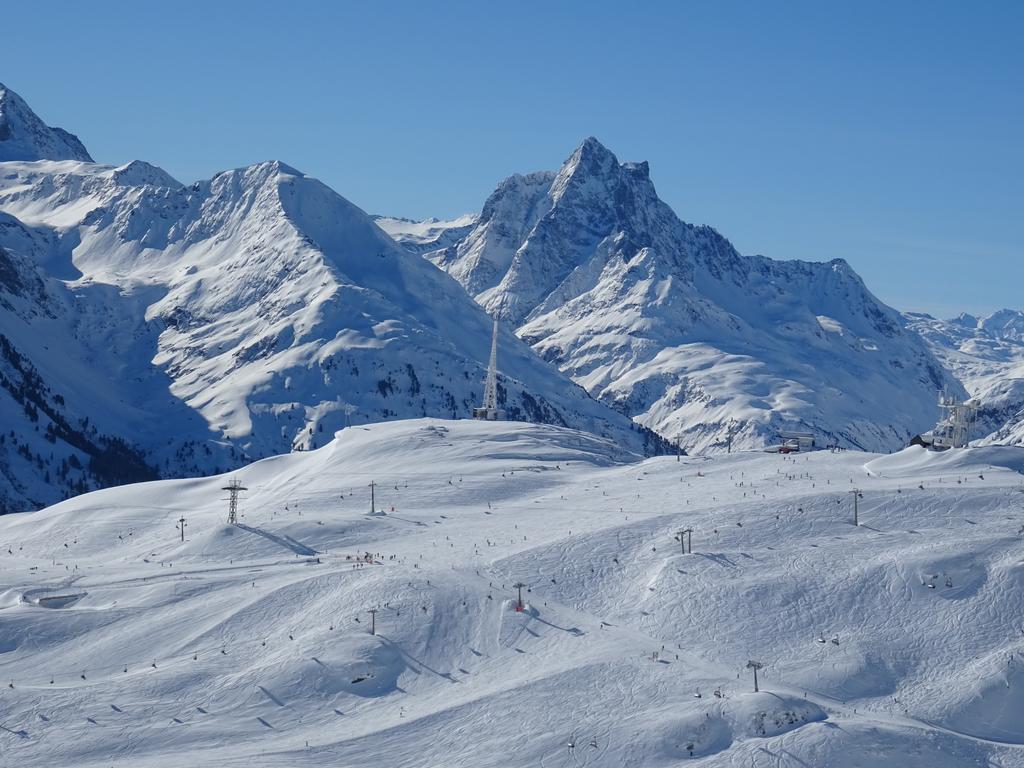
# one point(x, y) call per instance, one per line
point(234, 488)
point(491, 386)
point(954, 428)
point(489, 411)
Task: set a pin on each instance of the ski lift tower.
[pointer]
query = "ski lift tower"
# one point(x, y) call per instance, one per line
point(489, 410)
point(755, 665)
point(954, 428)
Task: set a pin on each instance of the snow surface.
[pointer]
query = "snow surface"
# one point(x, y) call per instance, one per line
point(241, 645)
point(429, 234)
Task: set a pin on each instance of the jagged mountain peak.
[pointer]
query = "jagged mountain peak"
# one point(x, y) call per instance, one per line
point(592, 158)
point(24, 136)
point(592, 155)
point(539, 230)
point(593, 171)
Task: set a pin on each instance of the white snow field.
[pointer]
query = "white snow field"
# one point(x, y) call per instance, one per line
point(896, 642)
point(429, 234)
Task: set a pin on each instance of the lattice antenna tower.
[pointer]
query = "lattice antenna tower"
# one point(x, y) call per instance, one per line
point(489, 410)
point(233, 489)
point(954, 428)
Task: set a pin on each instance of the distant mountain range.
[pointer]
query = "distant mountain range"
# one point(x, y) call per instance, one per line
point(150, 329)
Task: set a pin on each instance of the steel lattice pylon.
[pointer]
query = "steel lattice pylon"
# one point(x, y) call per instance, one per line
point(489, 410)
point(233, 489)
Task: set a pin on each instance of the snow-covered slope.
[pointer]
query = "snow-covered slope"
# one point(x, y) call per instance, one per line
point(987, 356)
point(426, 235)
point(250, 645)
point(240, 317)
point(23, 136)
point(81, 404)
point(668, 323)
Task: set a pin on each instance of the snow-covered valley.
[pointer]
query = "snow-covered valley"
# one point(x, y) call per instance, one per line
point(894, 642)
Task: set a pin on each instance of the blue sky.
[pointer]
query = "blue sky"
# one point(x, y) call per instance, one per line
point(888, 134)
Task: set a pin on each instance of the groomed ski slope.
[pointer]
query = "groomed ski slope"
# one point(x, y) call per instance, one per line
point(241, 646)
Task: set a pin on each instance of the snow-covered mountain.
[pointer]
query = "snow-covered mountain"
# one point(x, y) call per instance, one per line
point(666, 322)
point(986, 354)
point(244, 316)
point(23, 136)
